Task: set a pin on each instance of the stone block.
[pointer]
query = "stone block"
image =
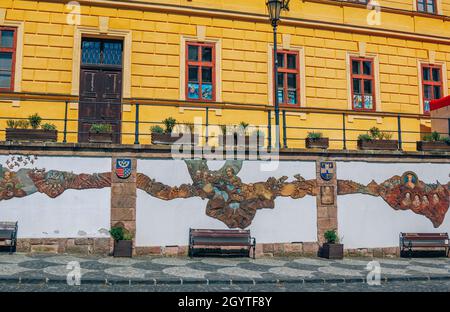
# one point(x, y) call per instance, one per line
point(79, 249)
point(44, 249)
point(293, 248)
point(123, 201)
point(310, 248)
point(391, 252)
point(123, 214)
point(123, 189)
point(102, 246)
point(278, 249)
point(268, 248)
point(170, 251)
point(83, 241)
point(35, 241)
point(183, 251)
point(23, 245)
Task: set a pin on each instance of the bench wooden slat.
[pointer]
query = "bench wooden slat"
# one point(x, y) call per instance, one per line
point(8, 234)
point(424, 240)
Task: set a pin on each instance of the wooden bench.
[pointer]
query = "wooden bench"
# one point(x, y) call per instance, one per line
point(8, 235)
point(211, 242)
point(410, 241)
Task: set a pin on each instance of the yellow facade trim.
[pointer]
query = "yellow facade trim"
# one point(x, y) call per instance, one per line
point(351, 118)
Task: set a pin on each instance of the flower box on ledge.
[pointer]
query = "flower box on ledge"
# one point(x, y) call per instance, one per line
point(433, 146)
point(40, 135)
point(317, 143)
point(332, 251)
point(168, 138)
point(123, 248)
point(100, 137)
point(378, 145)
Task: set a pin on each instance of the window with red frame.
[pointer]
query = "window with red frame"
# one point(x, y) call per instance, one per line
point(427, 6)
point(288, 78)
point(363, 84)
point(7, 58)
point(432, 85)
point(200, 71)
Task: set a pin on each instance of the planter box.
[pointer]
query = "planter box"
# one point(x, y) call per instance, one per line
point(31, 135)
point(223, 140)
point(167, 138)
point(332, 251)
point(317, 143)
point(95, 137)
point(123, 248)
point(432, 146)
point(378, 145)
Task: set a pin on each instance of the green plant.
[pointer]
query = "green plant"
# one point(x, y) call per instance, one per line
point(127, 236)
point(446, 140)
point(314, 135)
point(432, 137)
point(117, 233)
point(365, 137)
point(385, 136)
point(35, 121)
point(22, 124)
point(375, 133)
point(156, 129)
point(11, 123)
point(169, 123)
point(48, 127)
point(244, 124)
point(101, 128)
point(331, 237)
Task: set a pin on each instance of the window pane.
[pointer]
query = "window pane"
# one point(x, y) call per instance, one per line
point(426, 106)
point(280, 95)
point(292, 96)
point(426, 73)
point(207, 54)
point(207, 91)
point(356, 86)
point(206, 74)
point(437, 92)
point(193, 74)
point(367, 86)
point(368, 102)
point(427, 92)
point(355, 68)
point(430, 6)
point(280, 80)
point(193, 91)
point(91, 52)
point(5, 61)
point(421, 5)
point(292, 81)
point(5, 80)
point(357, 101)
point(292, 61)
point(281, 60)
point(7, 39)
point(193, 53)
point(436, 74)
point(367, 68)
point(112, 53)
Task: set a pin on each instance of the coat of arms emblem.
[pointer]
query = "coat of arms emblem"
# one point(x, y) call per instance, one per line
point(326, 170)
point(123, 168)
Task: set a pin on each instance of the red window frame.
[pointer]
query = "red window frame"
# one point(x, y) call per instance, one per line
point(200, 64)
point(431, 83)
point(285, 71)
point(425, 7)
point(363, 77)
point(13, 57)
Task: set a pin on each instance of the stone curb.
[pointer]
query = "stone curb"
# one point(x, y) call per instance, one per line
point(181, 281)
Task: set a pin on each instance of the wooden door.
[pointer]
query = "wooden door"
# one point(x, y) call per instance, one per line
point(100, 93)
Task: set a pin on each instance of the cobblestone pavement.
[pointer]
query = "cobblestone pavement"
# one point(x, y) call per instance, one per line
point(303, 273)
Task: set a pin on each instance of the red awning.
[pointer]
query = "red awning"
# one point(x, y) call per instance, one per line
point(436, 104)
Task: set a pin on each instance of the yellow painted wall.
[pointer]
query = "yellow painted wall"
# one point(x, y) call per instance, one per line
point(155, 61)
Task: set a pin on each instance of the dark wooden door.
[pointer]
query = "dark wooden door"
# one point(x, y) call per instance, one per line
point(100, 93)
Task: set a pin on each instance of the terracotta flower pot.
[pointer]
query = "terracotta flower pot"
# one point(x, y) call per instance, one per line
point(432, 146)
point(38, 135)
point(317, 143)
point(378, 145)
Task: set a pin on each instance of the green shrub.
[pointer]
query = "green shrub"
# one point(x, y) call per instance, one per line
point(385, 136)
point(432, 137)
point(169, 123)
point(244, 124)
point(48, 127)
point(11, 123)
point(117, 233)
point(375, 133)
point(314, 135)
point(22, 124)
point(365, 137)
point(35, 121)
point(101, 128)
point(331, 237)
point(446, 140)
point(156, 129)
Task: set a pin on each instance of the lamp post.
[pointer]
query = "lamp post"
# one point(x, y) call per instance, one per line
point(274, 7)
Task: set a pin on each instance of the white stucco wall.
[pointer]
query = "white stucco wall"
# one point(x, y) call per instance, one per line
point(162, 223)
point(75, 213)
point(365, 221)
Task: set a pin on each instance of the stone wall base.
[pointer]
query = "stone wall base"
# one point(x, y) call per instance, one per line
point(82, 246)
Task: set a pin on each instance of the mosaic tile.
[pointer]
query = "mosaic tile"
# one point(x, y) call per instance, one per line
point(127, 272)
point(14, 258)
point(64, 259)
point(171, 261)
point(429, 270)
point(10, 269)
point(185, 272)
point(221, 262)
point(62, 270)
point(312, 261)
point(339, 271)
point(235, 271)
point(118, 261)
point(269, 262)
point(285, 271)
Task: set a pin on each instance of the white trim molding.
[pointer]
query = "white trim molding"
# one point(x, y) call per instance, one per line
point(302, 70)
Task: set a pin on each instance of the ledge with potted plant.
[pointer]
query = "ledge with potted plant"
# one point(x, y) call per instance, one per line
point(434, 142)
point(167, 135)
point(123, 242)
point(100, 133)
point(377, 140)
point(316, 140)
point(332, 249)
point(233, 132)
point(18, 130)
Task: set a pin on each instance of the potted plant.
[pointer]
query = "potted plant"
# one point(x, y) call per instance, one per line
point(18, 130)
point(316, 140)
point(167, 135)
point(100, 133)
point(434, 142)
point(377, 140)
point(332, 249)
point(123, 243)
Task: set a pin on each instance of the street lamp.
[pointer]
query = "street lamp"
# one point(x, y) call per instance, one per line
point(274, 7)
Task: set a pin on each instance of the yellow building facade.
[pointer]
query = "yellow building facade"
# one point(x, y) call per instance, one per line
point(327, 38)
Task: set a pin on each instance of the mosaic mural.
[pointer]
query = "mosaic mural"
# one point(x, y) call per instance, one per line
point(406, 192)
